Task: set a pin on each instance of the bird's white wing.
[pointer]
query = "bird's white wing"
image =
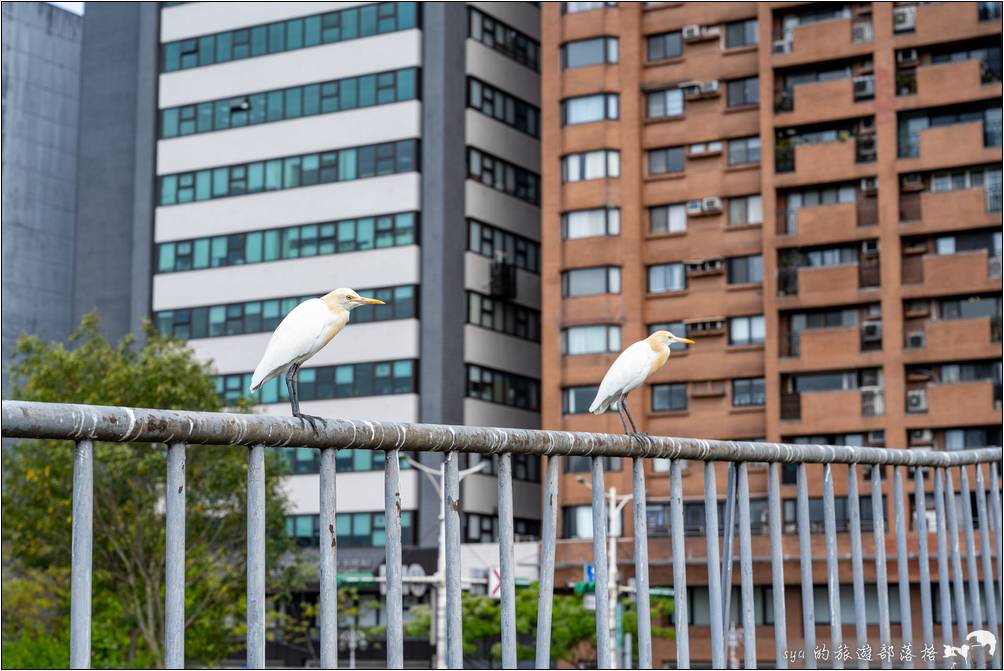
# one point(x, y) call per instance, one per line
point(299, 336)
point(627, 373)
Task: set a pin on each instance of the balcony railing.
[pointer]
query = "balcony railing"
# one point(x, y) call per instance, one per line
point(86, 424)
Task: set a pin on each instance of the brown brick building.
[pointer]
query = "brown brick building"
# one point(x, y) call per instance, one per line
point(812, 192)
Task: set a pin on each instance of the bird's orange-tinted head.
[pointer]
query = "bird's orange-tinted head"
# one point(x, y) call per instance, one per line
point(665, 338)
point(347, 299)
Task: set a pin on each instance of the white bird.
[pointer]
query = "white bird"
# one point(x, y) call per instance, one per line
point(630, 370)
point(303, 333)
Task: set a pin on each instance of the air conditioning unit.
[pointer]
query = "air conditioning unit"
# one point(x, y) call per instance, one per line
point(694, 208)
point(692, 32)
point(869, 246)
point(710, 87)
point(871, 331)
point(869, 184)
point(864, 87)
point(876, 438)
point(711, 204)
point(916, 340)
point(904, 19)
point(782, 46)
point(691, 89)
point(862, 31)
point(907, 57)
point(916, 400)
point(912, 181)
point(994, 268)
point(698, 149)
point(921, 437)
point(711, 31)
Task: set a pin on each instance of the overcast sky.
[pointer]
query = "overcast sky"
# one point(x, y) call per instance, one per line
point(75, 7)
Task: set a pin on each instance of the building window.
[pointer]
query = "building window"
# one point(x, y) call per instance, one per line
point(339, 165)
point(973, 307)
point(664, 104)
point(586, 109)
point(744, 150)
point(669, 397)
point(593, 339)
point(503, 176)
point(503, 38)
point(503, 316)
point(745, 269)
point(667, 219)
point(600, 164)
point(748, 392)
point(495, 386)
point(740, 34)
point(746, 330)
point(580, 464)
point(576, 7)
point(524, 466)
point(381, 88)
point(293, 242)
point(745, 210)
point(962, 439)
point(309, 31)
point(264, 316)
point(666, 277)
point(676, 328)
point(595, 51)
point(663, 46)
point(590, 223)
point(488, 240)
point(743, 92)
point(662, 161)
point(503, 107)
point(378, 378)
point(591, 281)
point(576, 400)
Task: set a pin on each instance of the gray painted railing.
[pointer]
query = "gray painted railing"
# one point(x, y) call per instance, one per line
point(178, 429)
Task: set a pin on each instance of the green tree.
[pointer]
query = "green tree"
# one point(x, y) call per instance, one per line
point(129, 481)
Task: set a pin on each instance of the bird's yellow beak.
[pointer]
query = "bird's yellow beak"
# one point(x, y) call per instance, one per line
point(684, 340)
point(368, 301)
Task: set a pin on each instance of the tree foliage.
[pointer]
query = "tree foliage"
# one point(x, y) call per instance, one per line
point(129, 481)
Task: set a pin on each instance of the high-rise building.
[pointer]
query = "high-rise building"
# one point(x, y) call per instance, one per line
point(41, 87)
point(812, 193)
point(276, 151)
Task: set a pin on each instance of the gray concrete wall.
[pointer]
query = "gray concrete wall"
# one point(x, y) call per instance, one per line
point(41, 88)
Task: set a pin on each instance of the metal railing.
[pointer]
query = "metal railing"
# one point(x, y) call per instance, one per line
point(86, 424)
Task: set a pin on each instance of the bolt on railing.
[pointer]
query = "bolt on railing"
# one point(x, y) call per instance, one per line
point(178, 429)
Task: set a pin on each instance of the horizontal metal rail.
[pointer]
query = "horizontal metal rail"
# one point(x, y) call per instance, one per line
point(955, 546)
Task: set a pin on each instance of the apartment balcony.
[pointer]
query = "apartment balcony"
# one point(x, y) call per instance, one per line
point(827, 101)
point(954, 339)
point(943, 404)
point(950, 146)
point(828, 348)
point(940, 211)
point(945, 22)
point(828, 223)
point(820, 40)
point(947, 84)
point(833, 411)
point(947, 274)
point(829, 285)
point(825, 162)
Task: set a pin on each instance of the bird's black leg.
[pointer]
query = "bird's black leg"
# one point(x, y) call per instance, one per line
point(620, 414)
point(295, 400)
point(627, 412)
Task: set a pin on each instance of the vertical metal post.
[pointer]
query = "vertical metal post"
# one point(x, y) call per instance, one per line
point(985, 550)
point(995, 518)
point(328, 597)
point(730, 522)
point(832, 569)
point(746, 567)
point(392, 526)
point(627, 651)
point(881, 577)
point(974, 578)
point(777, 567)
point(952, 515)
point(82, 548)
point(507, 561)
point(174, 559)
point(944, 595)
point(902, 558)
point(680, 603)
point(714, 563)
point(857, 561)
point(603, 660)
point(256, 558)
point(454, 623)
point(805, 568)
point(549, 525)
point(924, 564)
point(640, 513)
